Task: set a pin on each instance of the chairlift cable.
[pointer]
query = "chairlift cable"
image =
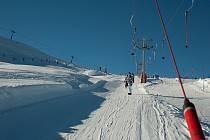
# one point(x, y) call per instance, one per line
point(171, 19)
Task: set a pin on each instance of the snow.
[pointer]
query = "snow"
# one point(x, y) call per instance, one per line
point(73, 103)
point(55, 103)
point(153, 111)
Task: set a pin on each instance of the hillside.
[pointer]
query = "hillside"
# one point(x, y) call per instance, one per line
point(19, 53)
point(49, 101)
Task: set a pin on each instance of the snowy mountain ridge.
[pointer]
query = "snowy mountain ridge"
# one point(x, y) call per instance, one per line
point(18, 53)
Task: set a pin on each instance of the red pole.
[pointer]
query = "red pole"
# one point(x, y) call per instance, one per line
point(170, 48)
point(189, 108)
point(192, 120)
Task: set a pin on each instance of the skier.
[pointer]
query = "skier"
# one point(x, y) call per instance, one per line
point(129, 81)
point(126, 83)
point(105, 72)
point(133, 77)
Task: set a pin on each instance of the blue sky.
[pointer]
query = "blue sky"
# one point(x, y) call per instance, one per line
point(98, 32)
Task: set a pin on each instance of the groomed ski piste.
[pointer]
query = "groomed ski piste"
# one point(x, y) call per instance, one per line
point(52, 102)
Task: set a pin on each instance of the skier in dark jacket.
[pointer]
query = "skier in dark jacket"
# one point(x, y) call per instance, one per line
point(126, 82)
point(133, 77)
point(129, 81)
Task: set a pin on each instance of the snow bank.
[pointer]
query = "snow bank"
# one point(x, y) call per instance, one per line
point(93, 73)
point(206, 82)
point(25, 84)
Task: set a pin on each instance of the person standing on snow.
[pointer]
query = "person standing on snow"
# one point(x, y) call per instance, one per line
point(130, 82)
point(133, 77)
point(126, 83)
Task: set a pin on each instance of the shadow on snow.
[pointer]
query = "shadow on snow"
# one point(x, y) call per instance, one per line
point(44, 120)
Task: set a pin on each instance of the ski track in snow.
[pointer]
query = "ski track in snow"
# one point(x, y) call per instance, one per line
point(148, 114)
point(124, 117)
point(168, 106)
point(116, 119)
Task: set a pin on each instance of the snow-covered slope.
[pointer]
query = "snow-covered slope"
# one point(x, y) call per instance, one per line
point(55, 102)
point(19, 53)
point(38, 102)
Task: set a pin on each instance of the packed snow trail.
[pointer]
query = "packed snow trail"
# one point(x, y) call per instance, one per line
point(139, 116)
point(152, 112)
point(117, 119)
point(124, 117)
